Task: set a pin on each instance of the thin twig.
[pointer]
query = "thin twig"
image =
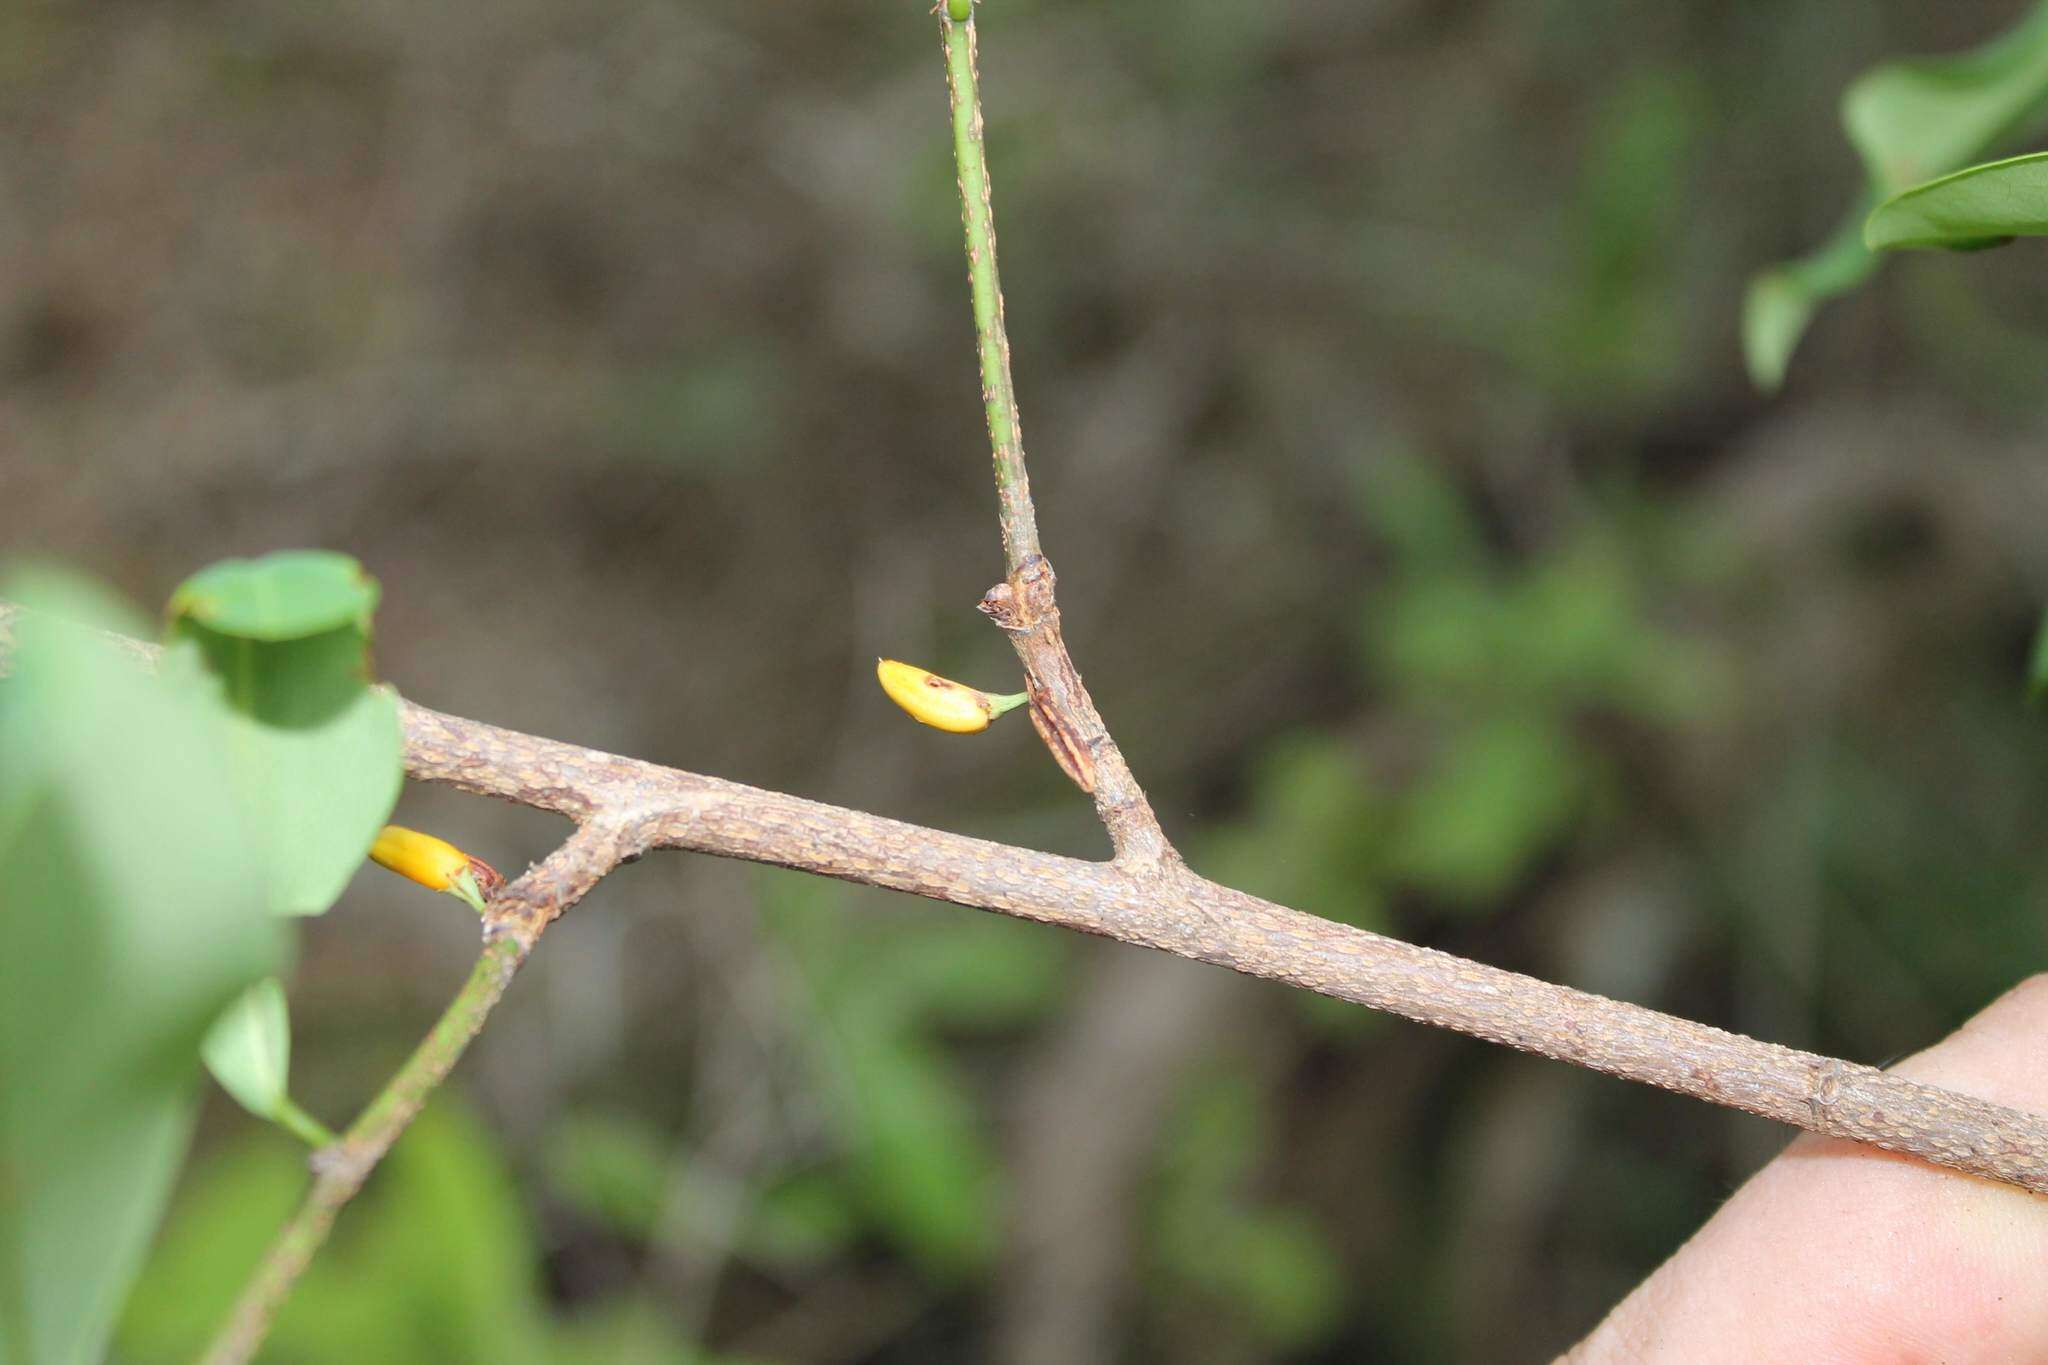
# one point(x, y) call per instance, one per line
point(998, 390)
point(516, 916)
point(1024, 604)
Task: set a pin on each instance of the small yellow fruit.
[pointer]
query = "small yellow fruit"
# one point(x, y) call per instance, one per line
point(940, 702)
point(435, 863)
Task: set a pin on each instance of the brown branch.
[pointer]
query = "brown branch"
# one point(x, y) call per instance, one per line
point(517, 915)
point(629, 805)
point(1170, 908)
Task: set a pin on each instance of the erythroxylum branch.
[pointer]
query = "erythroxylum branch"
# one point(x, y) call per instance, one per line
point(1145, 895)
point(516, 916)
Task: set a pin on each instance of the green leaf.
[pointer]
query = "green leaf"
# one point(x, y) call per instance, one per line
point(284, 596)
point(923, 1169)
point(1913, 120)
point(316, 749)
point(1909, 121)
point(249, 1048)
point(1782, 300)
point(1439, 634)
point(449, 1259)
point(1415, 506)
point(132, 912)
point(1311, 837)
point(635, 1330)
point(1283, 1270)
point(1974, 208)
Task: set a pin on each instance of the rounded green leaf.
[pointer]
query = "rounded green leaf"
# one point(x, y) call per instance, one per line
point(1912, 120)
point(1774, 317)
point(1782, 300)
point(132, 911)
point(249, 1048)
point(1976, 207)
point(315, 750)
point(284, 596)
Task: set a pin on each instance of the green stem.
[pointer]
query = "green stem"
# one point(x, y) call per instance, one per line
point(302, 1125)
point(345, 1164)
point(521, 911)
point(1004, 704)
point(465, 889)
point(977, 211)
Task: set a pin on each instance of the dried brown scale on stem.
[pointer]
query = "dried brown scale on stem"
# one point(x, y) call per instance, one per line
point(1065, 746)
point(1065, 716)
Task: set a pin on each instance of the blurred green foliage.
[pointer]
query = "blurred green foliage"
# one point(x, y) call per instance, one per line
point(920, 1162)
point(1272, 1265)
point(1506, 664)
point(438, 1264)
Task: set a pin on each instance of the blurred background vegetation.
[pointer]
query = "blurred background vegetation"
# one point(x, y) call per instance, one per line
point(1420, 537)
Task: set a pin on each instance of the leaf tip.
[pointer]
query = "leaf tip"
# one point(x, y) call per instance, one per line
point(1775, 313)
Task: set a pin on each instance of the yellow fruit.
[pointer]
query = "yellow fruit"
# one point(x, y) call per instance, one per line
point(435, 863)
point(940, 702)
